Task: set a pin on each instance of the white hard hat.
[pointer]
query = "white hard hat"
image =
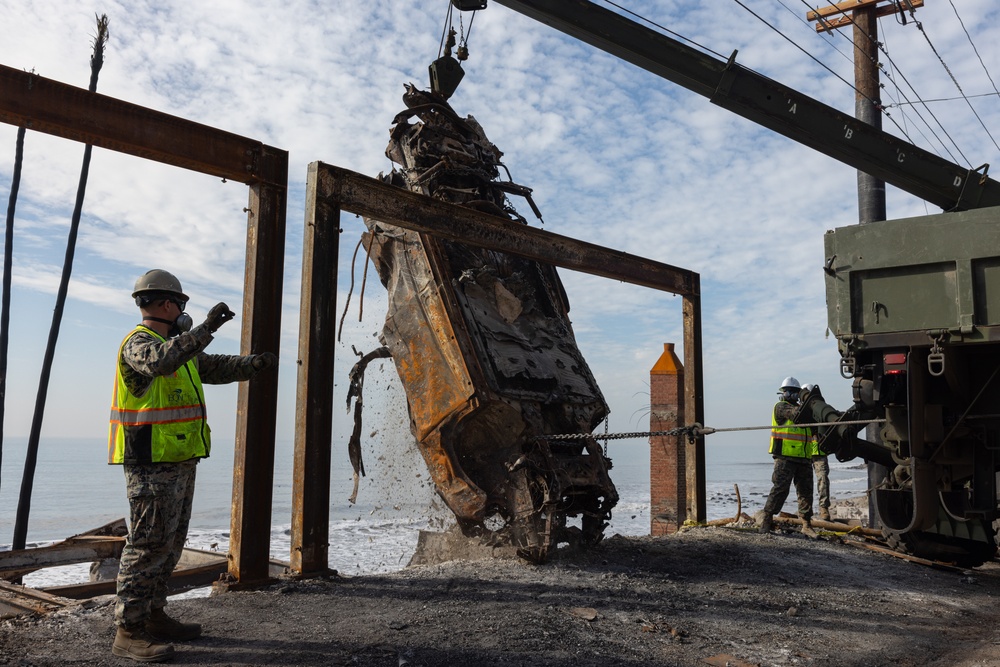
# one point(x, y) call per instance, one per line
point(790, 383)
point(808, 387)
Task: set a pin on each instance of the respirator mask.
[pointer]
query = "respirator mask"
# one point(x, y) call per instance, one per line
point(180, 324)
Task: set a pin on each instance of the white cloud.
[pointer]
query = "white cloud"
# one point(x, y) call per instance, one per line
point(615, 155)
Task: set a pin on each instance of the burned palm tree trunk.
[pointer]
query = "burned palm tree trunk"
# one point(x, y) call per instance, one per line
point(485, 350)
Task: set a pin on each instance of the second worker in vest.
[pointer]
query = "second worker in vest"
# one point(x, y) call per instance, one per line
point(158, 434)
point(792, 448)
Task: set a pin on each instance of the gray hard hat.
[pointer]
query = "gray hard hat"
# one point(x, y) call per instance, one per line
point(156, 282)
point(790, 383)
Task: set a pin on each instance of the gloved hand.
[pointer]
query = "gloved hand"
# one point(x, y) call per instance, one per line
point(219, 315)
point(263, 361)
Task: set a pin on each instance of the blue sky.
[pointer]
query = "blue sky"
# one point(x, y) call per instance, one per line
point(616, 156)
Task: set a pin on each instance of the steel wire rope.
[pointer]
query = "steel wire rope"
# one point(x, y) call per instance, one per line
point(444, 31)
point(694, 429)
point(881, 48)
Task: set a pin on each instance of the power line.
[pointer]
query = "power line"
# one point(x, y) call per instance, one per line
point(876, 103)
point(809, 25)
point(665, 29)
point(799, 47)
point(950, 99)
point(962, 23)
point(920, 27)
point(891, 77)
point(881, 48)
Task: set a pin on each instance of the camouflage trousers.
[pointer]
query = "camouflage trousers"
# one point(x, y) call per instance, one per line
point(822, 469)
point(159, 498)
point(787, 471)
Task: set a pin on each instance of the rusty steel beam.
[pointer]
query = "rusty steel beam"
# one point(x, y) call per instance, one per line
point(366, 196)
point(48, 106)
point(694, 407)
point(314, 389)
point(257, 405)
point(66, 111)
point(331, 190)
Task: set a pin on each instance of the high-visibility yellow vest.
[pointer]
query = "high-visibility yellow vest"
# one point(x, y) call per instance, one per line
point(790, 440)
point(813, 446)
point(166, 424)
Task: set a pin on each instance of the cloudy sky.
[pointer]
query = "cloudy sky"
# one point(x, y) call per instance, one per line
point(616, 156)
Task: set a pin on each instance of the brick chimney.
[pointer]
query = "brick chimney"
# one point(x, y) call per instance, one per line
point(667, 478)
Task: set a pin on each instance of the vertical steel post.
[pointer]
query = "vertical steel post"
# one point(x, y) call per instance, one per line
point(314, 389)
point(257, 405)
point(694, 403)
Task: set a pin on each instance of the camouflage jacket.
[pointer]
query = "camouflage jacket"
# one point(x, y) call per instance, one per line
point(144, 357)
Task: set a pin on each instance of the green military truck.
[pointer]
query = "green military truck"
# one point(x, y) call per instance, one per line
point(915, 303)
point(915, 307)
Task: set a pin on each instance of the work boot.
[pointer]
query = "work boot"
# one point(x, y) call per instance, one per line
point(766, 522)
point(824, 514)
point(137, 644)
point(163, 627)
point(808, 531)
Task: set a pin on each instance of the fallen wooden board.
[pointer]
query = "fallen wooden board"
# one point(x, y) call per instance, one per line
point(180, 581)
point(96, 544)
point(197, 568)
point(17, 600)
point(913, 559)
point(19, 562)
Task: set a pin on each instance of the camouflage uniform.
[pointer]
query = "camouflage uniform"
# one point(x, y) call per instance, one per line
point(821, 466)
point(160, 494)
point(788, 470)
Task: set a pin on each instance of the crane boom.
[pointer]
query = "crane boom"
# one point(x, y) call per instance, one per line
point(770, 104)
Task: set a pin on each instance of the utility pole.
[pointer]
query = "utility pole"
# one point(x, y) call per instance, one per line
point(868, 108)
point(867, 96)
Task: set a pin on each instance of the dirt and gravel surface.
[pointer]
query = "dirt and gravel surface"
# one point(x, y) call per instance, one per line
point(704, 596)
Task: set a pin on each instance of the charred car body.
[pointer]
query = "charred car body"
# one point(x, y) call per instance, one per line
point(485, 351)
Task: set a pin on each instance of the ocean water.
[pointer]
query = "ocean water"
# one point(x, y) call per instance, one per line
point(75, 490)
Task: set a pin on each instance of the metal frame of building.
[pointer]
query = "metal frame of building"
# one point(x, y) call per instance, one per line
point(48, 106)
point(329, 191)
point(43, 105)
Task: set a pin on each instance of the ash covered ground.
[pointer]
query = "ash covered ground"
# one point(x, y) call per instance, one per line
point(704, 596)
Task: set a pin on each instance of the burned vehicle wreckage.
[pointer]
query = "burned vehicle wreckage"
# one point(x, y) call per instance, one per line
point(483, 345)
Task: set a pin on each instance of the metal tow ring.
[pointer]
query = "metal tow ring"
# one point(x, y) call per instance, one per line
point(847, 367)
point(935, 360)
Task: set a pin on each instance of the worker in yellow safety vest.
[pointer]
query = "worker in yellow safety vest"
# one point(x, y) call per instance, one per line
point(158, 433)
point(792, 448)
